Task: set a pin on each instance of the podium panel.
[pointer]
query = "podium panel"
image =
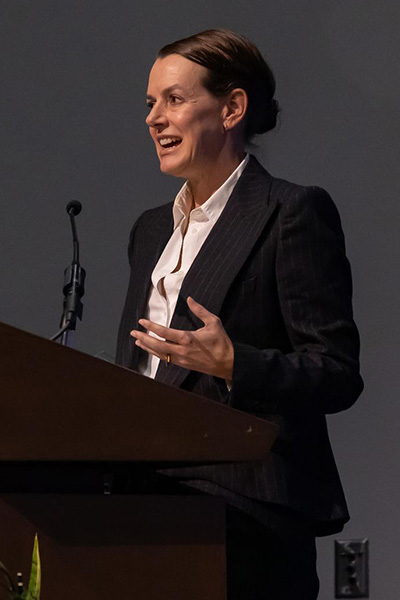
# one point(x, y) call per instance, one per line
point(97, 547)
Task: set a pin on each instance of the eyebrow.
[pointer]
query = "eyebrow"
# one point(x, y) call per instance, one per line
point(167, 90)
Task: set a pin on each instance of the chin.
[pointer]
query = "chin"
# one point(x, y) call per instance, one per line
point(172, 167)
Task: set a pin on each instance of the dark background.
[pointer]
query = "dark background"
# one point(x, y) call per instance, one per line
point(73, 82)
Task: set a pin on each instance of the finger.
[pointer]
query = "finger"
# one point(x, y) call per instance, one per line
point(174, 357)
point(151, 344)
point(172, 335)
point(141, 345)
point(200, 311)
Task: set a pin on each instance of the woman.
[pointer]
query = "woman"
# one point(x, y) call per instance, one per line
point(241, 292)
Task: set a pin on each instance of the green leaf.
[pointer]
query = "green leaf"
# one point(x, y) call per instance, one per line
point(5, 571)
point(36, 574)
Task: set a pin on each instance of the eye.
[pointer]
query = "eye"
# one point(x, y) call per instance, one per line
point(150, 104)
point(175, 99)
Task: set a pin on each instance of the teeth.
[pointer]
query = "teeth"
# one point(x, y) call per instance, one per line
point(165, 141)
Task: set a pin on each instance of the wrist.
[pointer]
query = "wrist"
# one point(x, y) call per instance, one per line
point(228, 363)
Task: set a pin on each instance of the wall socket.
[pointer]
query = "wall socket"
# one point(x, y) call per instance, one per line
point(351, 569)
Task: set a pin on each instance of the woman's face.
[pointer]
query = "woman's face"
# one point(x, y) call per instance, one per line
point(185, 120)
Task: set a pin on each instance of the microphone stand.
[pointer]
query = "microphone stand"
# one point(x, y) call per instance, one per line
point(74, 284)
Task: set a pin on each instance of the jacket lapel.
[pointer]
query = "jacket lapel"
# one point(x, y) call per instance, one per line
point(222, 255)
point(157, 235)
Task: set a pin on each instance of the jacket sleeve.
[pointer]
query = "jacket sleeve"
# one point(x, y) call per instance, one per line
point(321, 373)
point(125, 345)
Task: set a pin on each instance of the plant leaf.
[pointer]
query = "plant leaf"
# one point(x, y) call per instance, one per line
point(6, 572)
point(36, 573)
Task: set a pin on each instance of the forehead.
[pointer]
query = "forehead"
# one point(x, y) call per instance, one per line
point(175, 70)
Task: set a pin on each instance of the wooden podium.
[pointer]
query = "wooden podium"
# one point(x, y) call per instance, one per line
point(81, 441)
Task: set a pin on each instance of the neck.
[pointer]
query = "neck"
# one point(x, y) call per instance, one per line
point(204, 186)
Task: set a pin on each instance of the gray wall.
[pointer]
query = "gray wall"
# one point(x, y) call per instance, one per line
point(73, 79)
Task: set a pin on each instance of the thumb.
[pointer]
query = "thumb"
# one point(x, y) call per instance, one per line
point(197, 309)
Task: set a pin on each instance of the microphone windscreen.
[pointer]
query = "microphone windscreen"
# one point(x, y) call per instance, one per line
point(74, 207)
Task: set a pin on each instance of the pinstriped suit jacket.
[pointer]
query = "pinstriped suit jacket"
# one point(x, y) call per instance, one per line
point(274, 269)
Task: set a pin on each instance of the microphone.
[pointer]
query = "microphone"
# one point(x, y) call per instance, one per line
point(74, 206)
point(74, 282)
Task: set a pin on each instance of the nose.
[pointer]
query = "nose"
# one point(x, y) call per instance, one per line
point(156, 116)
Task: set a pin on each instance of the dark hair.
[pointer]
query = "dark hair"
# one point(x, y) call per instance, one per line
point(233, 62)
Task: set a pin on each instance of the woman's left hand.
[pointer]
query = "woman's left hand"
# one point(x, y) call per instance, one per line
point(208, 349)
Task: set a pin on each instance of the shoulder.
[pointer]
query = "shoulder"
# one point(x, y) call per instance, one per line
point(151, 225)
point(154, 215)
point(293, 198)
point(152, 219)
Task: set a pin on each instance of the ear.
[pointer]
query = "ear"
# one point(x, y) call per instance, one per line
point(235, 108)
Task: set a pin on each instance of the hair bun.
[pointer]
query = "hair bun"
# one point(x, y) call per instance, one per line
point(262, 116)
point(268, 119)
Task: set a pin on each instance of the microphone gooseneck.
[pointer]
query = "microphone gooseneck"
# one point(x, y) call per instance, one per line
point(74, 282)
point(73, 209)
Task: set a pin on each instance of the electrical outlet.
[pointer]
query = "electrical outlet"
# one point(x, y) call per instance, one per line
point(351, 569)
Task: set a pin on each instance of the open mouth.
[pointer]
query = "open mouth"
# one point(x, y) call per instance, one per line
point(169, 142)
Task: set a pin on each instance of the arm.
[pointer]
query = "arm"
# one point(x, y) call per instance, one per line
point(124, 344)
point(321, 374)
